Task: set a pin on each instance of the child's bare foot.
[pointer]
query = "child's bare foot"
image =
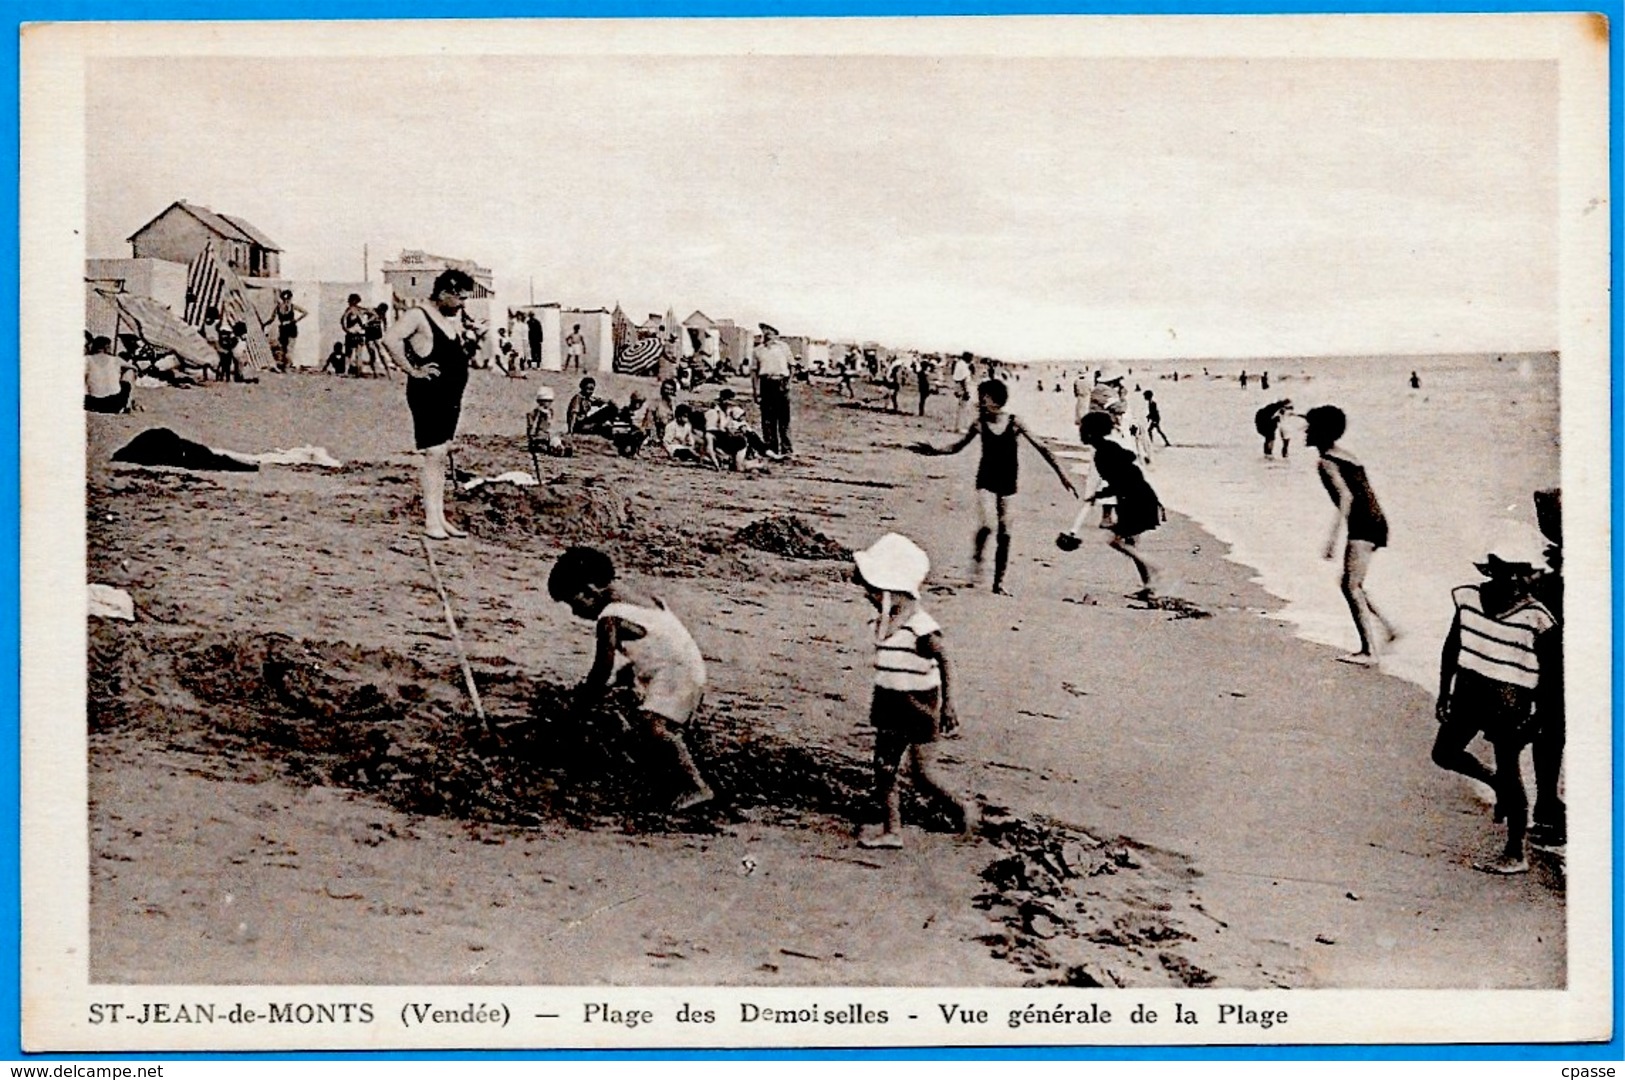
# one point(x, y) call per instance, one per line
point(1505, 865)
point(1000, 590)
point(1358, 659)
point(698, 797)
point(888, 841)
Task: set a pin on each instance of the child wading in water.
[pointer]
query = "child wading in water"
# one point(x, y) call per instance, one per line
point(639, 640)
point(1488, 674)
point(1367, 530)
point(1000, 433)
point(911, 707)
point(1138, 509)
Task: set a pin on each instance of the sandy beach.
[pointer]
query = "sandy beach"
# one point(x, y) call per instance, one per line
point(287, 785)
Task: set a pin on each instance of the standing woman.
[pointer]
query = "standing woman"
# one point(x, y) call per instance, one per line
point(286, 314)
point(427, 342)
point(1360, 515)
point(1001, 435)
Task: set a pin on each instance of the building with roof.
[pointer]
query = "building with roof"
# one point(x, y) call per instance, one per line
point(413, 273)
point(183, 229)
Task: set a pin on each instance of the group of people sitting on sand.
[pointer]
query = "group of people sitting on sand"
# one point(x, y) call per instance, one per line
point(718, 434)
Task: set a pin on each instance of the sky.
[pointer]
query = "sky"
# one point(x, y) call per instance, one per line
point(1023, 207)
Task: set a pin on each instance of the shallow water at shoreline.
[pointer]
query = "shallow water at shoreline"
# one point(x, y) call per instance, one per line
point(1446, 460)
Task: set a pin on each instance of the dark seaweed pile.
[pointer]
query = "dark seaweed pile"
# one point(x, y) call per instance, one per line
point(375, 721)
point(790, 536)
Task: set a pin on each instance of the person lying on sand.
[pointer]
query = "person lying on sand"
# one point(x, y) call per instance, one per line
point(639, 639)
point(1000, 433)
point(911, 708)
point(1488, 673)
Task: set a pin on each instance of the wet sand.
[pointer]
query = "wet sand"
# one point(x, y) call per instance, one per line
point(287, 785)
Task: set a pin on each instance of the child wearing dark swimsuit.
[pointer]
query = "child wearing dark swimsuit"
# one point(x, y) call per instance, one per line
point(1000, 434)
point(1138, 509)
point(1366, 527)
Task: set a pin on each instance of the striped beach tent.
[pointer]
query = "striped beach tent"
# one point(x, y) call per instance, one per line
point(639, 358)
point(210, 283)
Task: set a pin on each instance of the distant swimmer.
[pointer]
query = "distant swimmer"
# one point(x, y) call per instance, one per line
point(1416, 382)
point(1360, 517)
point(1268, 421)
point(1153, 419)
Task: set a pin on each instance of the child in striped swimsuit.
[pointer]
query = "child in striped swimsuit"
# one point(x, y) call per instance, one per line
point(1487, 678)
point(911, 707)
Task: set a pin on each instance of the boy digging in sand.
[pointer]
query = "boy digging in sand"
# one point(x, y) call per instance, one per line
point(1000, 433)
point(911, 707)
point(639, 640)
point(1488, 674)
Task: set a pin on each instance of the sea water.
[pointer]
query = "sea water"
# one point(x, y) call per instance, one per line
point(1471, 445)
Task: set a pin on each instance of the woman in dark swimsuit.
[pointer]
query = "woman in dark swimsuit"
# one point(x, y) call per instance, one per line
point(1367, 530)
point(286, 314)
point(1000, 433)
point(432, 353)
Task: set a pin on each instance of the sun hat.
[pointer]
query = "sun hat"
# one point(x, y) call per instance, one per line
point(768, 328)
point(1111, 371)
point(544, 394)
point(894, 563)
point(1513, 542)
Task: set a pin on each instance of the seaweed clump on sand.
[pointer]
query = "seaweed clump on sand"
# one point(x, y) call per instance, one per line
point(792, 537)
point(1077, 910)
point(335, 714)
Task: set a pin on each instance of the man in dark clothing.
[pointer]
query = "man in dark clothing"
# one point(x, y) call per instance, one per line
point(533, 327)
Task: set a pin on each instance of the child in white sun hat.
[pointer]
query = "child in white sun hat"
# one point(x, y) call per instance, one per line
point(1488, 672)
point(911, 708)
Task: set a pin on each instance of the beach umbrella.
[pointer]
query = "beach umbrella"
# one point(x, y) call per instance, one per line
point(639, 358)
point(163, 329)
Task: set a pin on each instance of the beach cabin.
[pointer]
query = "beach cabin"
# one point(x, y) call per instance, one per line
point(705, 340)
point(597, 331)
point(183, 229)
point(622, 332)
point(155, 279)
point(517, 320)
point(817, 356)
point(735, 342)
point(324, 303)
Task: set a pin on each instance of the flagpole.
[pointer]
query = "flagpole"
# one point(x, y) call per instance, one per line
point(366, 267)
